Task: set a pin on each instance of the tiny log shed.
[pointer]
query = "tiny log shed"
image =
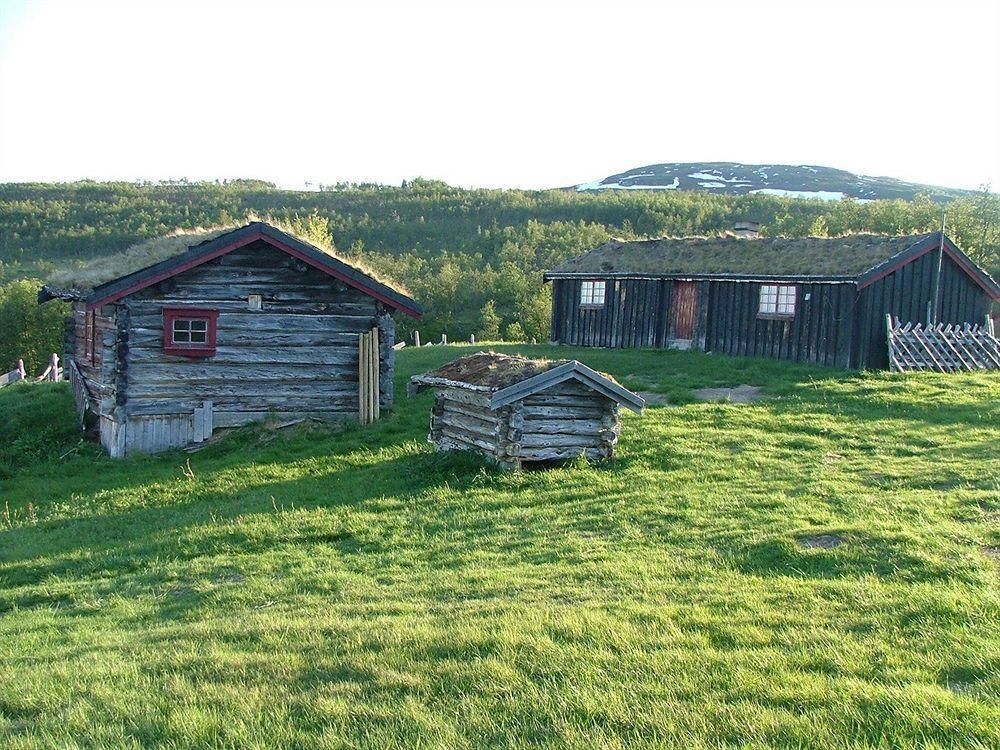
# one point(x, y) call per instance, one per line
point(518, 410)
point(810, 299)
point(184, 334)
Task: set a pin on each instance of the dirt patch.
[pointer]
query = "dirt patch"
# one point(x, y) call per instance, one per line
point(654, 399)
point(993, 553)
point(820, 541)
point(742, 394)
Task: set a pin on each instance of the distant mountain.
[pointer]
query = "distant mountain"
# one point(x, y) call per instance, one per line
point(794, 181)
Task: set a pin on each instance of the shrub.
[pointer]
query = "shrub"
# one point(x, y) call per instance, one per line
point(29, 331)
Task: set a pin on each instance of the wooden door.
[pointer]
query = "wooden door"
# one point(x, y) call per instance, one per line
point(682, 310)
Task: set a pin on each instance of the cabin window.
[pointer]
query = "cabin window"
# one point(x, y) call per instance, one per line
point(592, 293)
point(189, 332)
point(777, 301)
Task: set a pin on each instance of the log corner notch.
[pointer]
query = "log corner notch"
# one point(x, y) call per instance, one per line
point(516, 410)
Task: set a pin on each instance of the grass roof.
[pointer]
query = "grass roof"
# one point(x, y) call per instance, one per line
point(143, 254)
point(850, 255)
point(492, 370)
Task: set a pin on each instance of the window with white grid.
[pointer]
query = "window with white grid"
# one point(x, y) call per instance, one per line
point(777, 300)
point(592, 293)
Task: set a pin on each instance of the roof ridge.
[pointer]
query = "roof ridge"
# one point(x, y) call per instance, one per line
point(840, 258)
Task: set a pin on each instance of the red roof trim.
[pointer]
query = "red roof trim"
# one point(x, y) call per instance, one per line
point(166, 274)
point(236, 244)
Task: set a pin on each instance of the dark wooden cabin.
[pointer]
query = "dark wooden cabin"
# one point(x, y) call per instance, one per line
point(518, 410)
point(232, 327)
point(821, 300)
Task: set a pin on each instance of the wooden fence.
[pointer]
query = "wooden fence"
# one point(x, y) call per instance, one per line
point(52, 372)
point(942, 348)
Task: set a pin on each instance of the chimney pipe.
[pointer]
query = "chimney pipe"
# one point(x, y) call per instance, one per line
point(747, 229)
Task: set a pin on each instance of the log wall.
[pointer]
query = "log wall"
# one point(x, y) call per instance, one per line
point(565, 421)
point(297, 357)
point(96, 371)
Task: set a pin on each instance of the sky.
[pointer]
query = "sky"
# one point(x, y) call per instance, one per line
point(495, 94)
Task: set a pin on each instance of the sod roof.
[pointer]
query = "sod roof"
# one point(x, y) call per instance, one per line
point(149, 252)
point(490, 370)
point(112, 276)
point(134, 258)
point(846, 257)
point(509, 379)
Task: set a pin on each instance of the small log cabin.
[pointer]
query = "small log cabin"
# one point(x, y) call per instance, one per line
point(224, 328)
point(518, 410)
point(820, 300)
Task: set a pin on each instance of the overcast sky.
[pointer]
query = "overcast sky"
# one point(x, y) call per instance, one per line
point(495, 94)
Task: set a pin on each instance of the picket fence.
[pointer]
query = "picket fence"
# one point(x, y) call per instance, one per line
point(53, 372)
point(940, 347)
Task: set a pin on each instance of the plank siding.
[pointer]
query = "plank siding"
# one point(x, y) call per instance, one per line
point(905, 293)
point(835, 323)
point(814, 334)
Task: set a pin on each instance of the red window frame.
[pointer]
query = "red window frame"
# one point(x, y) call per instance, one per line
point(188, 348)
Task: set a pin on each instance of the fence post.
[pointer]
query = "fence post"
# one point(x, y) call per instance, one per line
point(472, 339)
point(444, 338)
point(416, 339)
point(54, 367)
point(20, 369)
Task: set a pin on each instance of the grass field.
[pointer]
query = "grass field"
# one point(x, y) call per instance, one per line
point(310, 588)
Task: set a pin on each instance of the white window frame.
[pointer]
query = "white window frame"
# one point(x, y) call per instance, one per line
point(777, 300)
point(592, 293)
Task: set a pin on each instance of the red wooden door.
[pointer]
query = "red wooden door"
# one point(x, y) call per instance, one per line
point(682, 310)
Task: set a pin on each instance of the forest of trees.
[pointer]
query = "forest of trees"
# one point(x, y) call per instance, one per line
point(473, 258)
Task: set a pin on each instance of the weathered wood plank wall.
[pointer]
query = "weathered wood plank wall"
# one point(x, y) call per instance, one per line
point(904, 294)
point(821, 331)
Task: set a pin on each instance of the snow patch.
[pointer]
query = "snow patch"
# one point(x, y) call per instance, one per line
point(715, 177)
point(598, 185)
point(823, 195)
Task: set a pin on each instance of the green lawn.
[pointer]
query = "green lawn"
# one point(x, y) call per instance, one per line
point(308, 588)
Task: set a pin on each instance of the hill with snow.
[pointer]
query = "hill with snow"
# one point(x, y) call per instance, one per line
point(795, 181)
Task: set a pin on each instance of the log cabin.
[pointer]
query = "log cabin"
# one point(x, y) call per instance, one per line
point(814, 299)
point(516, 410)
point(223, 328)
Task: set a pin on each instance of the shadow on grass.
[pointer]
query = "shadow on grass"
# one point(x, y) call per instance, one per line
point(871, 555)
point(122, 542)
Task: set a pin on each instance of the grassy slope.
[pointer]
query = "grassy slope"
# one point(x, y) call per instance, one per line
point(311, 589)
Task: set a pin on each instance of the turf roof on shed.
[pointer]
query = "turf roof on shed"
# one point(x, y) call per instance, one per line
point(847, 256)
point(492, 370)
